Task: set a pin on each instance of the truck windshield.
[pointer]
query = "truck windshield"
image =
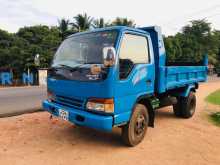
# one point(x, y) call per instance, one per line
point(84, 49)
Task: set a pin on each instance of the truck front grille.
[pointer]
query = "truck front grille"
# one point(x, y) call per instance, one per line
point(69, 101)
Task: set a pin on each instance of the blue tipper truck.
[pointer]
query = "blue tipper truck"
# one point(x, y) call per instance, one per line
point(117, 77)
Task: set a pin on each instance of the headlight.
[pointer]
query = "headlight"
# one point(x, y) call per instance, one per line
point(50, 96)
point(103, 105)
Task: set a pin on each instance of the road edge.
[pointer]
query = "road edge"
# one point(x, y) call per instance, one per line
point(20, 112)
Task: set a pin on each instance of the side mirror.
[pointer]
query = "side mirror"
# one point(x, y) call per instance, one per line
point(109, 55)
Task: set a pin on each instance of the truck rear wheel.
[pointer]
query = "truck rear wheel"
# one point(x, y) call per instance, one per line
point(134, 131)
point(177, 108)
point(185, 106)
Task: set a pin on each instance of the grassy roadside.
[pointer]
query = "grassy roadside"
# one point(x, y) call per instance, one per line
point(215, 118)
point(214, 98)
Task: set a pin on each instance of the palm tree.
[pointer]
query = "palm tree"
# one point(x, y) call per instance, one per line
point(63, 27)
point(123, 22)
point(82, 22)
point(100, 23)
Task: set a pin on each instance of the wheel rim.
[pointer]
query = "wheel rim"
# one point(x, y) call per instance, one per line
point(140, 125)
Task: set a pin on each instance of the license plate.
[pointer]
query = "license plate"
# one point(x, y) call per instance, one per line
point(64, 114)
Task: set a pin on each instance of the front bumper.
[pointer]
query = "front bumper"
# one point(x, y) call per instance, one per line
point(80, 117)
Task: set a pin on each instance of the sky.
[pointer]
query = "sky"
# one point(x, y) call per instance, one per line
point(171, 15)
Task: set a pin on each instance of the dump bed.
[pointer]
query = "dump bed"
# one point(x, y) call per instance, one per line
point(178, 76)
point(171, 77)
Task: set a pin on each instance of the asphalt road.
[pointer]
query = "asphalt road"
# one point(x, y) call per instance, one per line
point(19, 100)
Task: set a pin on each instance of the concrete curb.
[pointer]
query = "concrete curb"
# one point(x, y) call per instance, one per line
point(23, 87)
point(20, 112)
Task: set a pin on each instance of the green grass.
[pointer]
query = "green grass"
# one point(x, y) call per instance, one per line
point(214, 97)
point(215, 118)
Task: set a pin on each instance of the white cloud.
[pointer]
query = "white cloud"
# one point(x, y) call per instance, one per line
point(170, 14)
point(18, 13)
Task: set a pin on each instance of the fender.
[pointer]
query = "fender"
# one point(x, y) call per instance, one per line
point(148, 101)
point(123, 118)
point(187, 90)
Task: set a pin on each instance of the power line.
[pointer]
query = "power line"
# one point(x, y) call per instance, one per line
point(213, 15)
point(187, 16)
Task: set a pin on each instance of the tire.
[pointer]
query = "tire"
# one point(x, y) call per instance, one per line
point(177, 108)
point(134, 131)
point(185, 107)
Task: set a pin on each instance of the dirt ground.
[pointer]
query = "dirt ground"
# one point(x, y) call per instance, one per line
point(34, 139)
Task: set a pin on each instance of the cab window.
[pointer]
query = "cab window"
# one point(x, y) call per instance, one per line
point(134, 50)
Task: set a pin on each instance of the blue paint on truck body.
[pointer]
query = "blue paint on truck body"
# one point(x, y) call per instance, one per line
point(151, 79)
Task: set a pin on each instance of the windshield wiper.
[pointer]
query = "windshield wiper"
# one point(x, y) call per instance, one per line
point(70, 68)
point(91, 63)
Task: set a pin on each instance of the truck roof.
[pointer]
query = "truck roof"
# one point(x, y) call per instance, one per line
point(119, 28)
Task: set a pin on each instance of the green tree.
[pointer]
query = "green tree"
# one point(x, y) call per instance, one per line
point(63, 27)
point(42, 40)
point(5, 39)
point(123, 22)
point(217, 39)
point(198, 36)
point(82, 22)
point(195, 40)
point(173, 48)
point(100, 23)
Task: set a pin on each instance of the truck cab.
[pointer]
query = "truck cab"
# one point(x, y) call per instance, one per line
point(117, 77)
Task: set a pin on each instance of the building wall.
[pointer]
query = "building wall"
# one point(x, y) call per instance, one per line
point(42, 73)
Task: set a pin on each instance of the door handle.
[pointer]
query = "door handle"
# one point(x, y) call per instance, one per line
point(149, 81)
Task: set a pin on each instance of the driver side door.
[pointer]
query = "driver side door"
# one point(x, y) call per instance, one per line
point(136, 73)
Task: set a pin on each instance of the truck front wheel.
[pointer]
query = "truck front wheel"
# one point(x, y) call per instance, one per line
point(185, 106)
point(134, 131)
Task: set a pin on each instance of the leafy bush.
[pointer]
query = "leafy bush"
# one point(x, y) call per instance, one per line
point(215, 118)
